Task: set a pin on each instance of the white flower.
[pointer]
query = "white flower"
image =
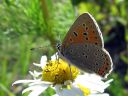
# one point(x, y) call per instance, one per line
point(58, 75)
point(94, 83)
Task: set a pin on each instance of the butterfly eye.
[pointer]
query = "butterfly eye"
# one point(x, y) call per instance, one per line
point(75, 34)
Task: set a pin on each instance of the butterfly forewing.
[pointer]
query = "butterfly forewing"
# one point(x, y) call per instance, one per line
point(83, 47)
point(84, 30)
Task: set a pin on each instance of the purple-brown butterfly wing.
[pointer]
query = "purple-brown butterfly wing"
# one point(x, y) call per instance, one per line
point(83, 47)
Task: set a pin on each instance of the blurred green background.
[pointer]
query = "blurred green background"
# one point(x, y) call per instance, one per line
point(26, 24)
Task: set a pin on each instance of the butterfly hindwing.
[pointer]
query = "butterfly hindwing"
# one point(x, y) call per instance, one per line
point(89, 58)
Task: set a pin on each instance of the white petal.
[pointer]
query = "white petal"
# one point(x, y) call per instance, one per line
point(74, 91)
point(105, 94)
point(31, 73)
point(36, 92)
point(24, 81)
point(37, 89)
point(38, 65)
point(54, 57)
point(97, 77)
point(55, 95)
point(91, 83)
point(43, 61)
point(41, 83)
point(109, 81)
point(35, 73)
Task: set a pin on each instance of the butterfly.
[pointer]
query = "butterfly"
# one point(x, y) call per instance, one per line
point(83, 46)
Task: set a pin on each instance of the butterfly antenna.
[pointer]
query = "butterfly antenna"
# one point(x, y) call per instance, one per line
point(59, 41)
point(58, 45)
point(34, 48)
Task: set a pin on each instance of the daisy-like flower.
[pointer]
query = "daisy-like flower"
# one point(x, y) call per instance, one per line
point(65, 80)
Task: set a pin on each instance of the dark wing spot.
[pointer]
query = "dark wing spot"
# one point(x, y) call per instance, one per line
point(95, 53)
point(96, 63)
point(71, 51)
point(86, 45)
point(85, 33)
point(106, 59)
point(107, 64)
point(101, 72)
point(86, 38)
point(86, 28)
point(106, 68)
point(83, 54)
point(84, 25)
point(71, 39)
point(96, 43)
point(75, 34)
point(95, 37)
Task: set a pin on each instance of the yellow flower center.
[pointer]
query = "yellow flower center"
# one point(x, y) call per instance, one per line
point(58, 71)
point(85, 90)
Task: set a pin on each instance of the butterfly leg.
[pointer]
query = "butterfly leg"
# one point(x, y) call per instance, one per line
point(70, 72)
